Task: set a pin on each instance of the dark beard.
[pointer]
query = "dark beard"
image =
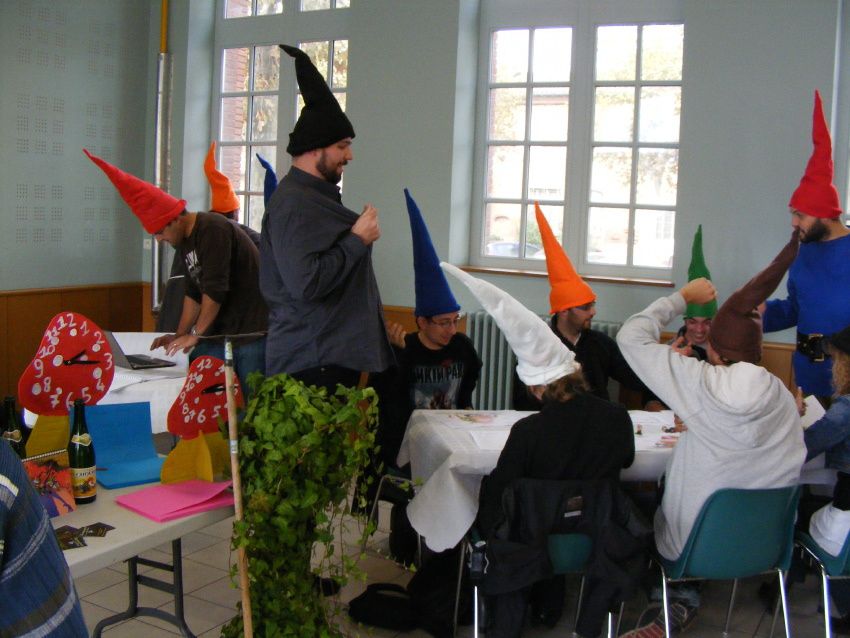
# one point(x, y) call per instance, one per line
point(329, 174)
point(817, 232)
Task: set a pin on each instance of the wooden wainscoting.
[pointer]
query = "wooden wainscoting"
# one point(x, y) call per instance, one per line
point(24, 314)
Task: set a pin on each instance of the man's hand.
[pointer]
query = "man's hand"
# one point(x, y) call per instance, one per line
point(184, 343)
point(654, 406)
point(366, 227)
point(163, 341)
point(801, 401)
point(396, 333)
point(698, 291)
point(682, 347)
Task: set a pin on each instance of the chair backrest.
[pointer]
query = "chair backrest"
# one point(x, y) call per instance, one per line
point(740, 533)
point(569, 552)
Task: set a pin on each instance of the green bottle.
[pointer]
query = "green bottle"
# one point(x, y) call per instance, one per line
point(81, 457)
point(14, 431)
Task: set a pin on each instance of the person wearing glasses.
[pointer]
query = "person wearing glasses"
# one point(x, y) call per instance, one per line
point(573, 306)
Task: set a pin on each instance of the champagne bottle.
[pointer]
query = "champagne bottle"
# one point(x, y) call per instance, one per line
point(14, 431)
point(81, 457)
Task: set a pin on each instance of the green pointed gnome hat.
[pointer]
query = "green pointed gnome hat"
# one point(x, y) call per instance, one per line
point(696, 270)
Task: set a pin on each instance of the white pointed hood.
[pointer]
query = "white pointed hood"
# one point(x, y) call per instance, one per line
point(541, 357)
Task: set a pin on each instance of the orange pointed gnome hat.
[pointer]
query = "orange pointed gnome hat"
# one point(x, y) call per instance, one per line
point(568, 289)
point(153, 206)
point(224, 200)
point(816, 195)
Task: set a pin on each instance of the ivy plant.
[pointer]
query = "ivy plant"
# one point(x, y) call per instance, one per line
point(299, 450)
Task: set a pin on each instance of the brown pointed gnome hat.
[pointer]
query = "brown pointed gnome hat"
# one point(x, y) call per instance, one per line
point(153, 206)
point(567, 288)
point(223, 200)
point(736, 330)
point(541, 356)
point(322, 122)
point(816, 195)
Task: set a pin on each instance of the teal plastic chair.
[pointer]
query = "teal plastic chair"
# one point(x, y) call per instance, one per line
point(831, 567)
point(738, 533)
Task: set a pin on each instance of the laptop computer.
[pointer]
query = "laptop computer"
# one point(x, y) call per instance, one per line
point(134, 361)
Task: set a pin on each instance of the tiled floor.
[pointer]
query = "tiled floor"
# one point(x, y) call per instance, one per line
point(211, 600)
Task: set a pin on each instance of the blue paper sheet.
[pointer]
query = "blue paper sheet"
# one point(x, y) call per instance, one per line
point(121, 433)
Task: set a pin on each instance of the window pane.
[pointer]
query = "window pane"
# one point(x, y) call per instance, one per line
point(343, 4)
point(269, 7)
point(501, 230)
point(613, 116)
point(654, 238)
point(533, 241)
point(504, 171)
point(509, 56)
point(340, 70)
point(266, 68)
point(341, 98)
point(254, 214)
point(547, 166)
point(608, 236)
point(616, 53)
point(232, 164)
point(258, 173)
point(264, 121)
point(315, 5)
point(234, 71)
point(237, 8)
point(507, 114)
point(550, 114)
point(552, 55)
point(661, 55)
point(660, 111)
point(658, 176)
point(234, 119)
point(318, 52)
point(611, 175)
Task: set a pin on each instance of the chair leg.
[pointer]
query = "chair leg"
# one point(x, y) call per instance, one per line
point(475, 618)
point(463, 549)
point(665, 601)
point(619, 618)
point(827, 615)
point(579, 601)
point(373, 514)
point(729, 608)
point(783, 595)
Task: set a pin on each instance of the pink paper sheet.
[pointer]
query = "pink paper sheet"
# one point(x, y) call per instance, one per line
point(163, 503)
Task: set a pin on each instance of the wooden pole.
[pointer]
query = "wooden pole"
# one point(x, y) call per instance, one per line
point(232, 434)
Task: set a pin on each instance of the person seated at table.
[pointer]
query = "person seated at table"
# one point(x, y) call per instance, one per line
point(573, 306)
point(38, 594)
point(438, 367)
point(575, 436)
point(692, 337)
point(744, 429)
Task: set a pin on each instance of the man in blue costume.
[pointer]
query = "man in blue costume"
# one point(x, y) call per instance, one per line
point(818, 301)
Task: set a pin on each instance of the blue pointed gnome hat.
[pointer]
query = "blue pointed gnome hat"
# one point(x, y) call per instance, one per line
point(270, 182)
point(433, 295)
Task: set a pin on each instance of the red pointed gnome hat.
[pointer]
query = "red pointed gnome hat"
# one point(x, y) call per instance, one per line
point(224, 200)
point(816, 195)
point(153, 206)
point(568, 289)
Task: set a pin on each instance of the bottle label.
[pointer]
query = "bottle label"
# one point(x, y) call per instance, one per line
point(84, 481)
point(81, 439)
point(13, 435)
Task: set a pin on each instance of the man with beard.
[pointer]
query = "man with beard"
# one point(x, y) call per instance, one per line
point(325, 318)
point(818, 301)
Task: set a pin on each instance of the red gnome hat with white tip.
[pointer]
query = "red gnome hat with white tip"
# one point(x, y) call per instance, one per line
point(816, 195)
point(153, 206)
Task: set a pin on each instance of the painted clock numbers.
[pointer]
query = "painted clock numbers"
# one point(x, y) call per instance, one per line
point(202, 402)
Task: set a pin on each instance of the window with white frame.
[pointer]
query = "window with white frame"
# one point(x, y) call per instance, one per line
point(582, 116)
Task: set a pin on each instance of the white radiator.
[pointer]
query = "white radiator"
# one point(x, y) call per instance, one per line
point(495, 386)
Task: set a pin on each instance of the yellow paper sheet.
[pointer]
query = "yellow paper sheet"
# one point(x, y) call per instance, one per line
point(48, 434)
point(190, 459)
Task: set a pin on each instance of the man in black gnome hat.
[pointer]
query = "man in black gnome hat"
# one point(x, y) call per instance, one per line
point(325, 318)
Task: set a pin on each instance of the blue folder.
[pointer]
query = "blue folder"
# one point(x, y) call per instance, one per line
point(123, 444)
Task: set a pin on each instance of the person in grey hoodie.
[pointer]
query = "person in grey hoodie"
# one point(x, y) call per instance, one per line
point(744, 427)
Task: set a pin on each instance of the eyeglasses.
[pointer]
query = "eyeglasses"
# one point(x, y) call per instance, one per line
point(447, 323)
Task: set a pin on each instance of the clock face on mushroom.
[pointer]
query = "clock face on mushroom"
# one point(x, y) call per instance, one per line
point(73, 361)
point(202, 402)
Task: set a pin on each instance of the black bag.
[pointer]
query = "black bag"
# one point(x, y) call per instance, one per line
point(384, 605)
point(403, 538)
point(433, 589)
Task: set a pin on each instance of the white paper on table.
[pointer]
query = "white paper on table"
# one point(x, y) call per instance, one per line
point(664, 418)
point(122, 379)
point(814, 411)
point(463, 419)
point(490, 438)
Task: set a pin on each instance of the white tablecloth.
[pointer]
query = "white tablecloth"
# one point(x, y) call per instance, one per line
point(449, 452)
point(159, 386)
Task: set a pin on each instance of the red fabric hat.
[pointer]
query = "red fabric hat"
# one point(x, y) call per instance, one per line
point(153, 206)
point(816, 195)
point(224, 200)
